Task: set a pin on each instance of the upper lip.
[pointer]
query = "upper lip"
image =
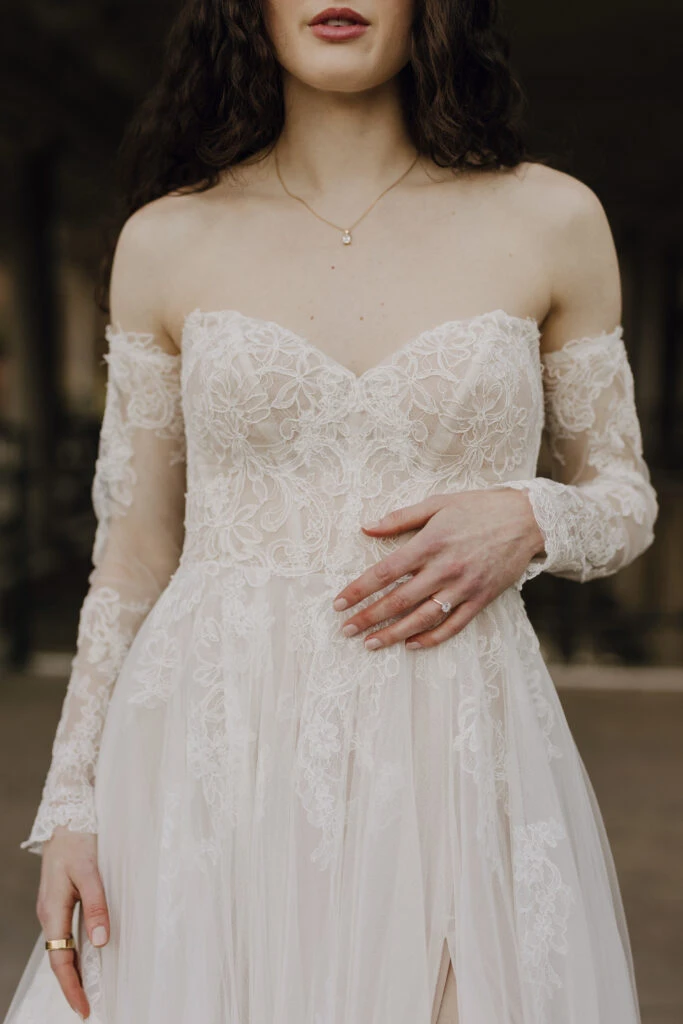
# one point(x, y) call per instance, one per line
point(339, 12)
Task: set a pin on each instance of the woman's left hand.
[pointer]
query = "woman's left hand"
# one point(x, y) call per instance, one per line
point(471, 546)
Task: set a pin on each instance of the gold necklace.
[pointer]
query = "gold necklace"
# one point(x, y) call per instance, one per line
point(346, 232)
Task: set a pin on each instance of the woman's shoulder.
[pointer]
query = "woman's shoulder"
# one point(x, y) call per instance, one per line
point(145, 259)
point(157, 227)
point(553, 198)
point(152, 249)
point(183, 212)
point(170, 225)
point(565, 218)
point(577, 247)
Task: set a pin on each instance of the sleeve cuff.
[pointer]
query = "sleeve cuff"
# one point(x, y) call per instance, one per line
point(540, 492)
point(76, 817)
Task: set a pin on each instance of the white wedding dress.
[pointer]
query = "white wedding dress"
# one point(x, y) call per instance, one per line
point(289, 825)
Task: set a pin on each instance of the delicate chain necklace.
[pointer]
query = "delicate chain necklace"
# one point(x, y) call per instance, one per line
point(346, 232)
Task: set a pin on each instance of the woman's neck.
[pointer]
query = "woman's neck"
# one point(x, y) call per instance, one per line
point(342, 144)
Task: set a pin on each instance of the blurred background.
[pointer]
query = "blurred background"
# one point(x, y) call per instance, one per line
point(603, 79)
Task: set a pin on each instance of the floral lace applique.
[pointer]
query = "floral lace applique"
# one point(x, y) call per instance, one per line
point(543, 903)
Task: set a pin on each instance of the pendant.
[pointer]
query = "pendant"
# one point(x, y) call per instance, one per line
point(346, 237)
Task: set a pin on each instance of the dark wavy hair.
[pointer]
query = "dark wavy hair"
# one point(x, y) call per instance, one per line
point(219, 100)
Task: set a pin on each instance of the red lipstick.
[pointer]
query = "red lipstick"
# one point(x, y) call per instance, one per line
point(323, 24)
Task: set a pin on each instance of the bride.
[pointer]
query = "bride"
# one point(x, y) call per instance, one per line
point(311, 767)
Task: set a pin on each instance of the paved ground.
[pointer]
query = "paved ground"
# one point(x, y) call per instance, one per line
point(631, 742)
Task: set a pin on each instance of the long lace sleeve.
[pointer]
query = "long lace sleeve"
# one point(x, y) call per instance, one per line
point(597, 512)
point(138, 496)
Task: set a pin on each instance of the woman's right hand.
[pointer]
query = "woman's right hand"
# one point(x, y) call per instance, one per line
point(69, 873)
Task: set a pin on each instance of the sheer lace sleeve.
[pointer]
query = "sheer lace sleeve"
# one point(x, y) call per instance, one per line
point(597, 512)
point(138, 496)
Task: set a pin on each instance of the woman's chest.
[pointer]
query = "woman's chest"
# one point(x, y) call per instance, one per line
point(462, 390)
point(451, 252)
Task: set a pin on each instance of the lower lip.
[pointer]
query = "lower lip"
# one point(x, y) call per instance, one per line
point(338, 33)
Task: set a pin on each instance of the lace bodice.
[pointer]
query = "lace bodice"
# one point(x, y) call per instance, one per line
point(280, 453)
point(289, 451)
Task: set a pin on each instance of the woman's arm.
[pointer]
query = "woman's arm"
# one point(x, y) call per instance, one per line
point(138, 495)
point(597, 512)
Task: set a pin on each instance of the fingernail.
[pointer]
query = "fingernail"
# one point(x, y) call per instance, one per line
point(350, 630)
point(413, 645)
point(340, 604)
point(372, 643)
point(372, 524)
point(99, 935)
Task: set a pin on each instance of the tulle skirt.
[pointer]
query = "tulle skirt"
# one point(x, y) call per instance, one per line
point(291, 826)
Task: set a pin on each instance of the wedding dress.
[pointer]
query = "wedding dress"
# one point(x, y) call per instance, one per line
point(289, 825)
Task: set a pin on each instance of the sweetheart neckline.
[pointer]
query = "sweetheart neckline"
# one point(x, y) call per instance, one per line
point(201, 314)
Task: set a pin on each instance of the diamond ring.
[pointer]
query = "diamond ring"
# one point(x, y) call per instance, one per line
point(445, 606)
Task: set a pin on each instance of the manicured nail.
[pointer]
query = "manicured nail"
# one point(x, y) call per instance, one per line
point(350, 629)
point(372, 643)
point(373, 524)
point(340, 604)
point(99, 935)
point(413, 645)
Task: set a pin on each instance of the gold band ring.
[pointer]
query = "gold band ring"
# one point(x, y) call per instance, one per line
point(445, 606)
point(68, 943)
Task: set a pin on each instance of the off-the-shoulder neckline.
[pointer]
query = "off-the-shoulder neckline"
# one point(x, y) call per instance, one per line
point(199, 315)
point(530, 323)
